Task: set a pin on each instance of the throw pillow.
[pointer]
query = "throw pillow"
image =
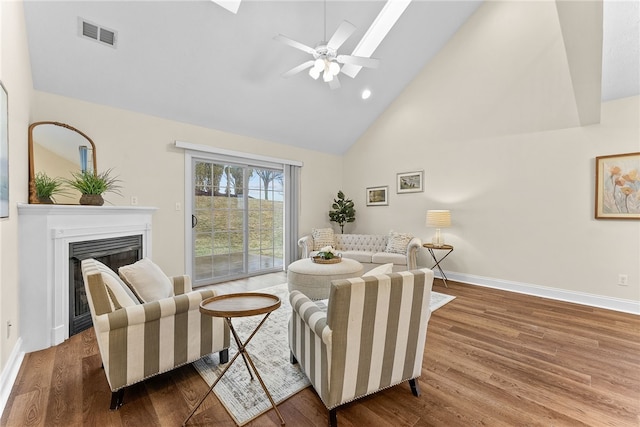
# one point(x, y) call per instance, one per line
point(322, 237)
point(382, 269)
point(397, 242)
point(146, 280)
point(117, 291)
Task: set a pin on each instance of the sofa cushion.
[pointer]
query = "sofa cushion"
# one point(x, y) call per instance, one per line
point(397, 243)
point(146, 280)
point(381, 269)
point(386, 257)
point(322, 237)
point(360, 256)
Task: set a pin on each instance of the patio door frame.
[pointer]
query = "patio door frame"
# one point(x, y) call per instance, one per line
point(290, 168)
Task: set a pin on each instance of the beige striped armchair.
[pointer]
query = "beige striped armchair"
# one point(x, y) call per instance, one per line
point(371, 336)
point(138, 341)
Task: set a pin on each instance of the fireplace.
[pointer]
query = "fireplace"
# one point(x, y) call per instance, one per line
point(52, 239)
point(114, 253)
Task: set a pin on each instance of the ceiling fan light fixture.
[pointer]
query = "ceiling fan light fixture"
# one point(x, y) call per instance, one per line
point(334, 68)
point(319, 64)
point(314, 73)
point(327, 76)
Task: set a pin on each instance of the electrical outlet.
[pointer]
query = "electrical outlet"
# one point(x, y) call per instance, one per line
point(623, 279)
point(134, 200)
point(178, 206)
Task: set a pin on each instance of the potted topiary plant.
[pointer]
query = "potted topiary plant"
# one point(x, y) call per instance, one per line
point(343, 211)
point(47, 187)
point(92, 186)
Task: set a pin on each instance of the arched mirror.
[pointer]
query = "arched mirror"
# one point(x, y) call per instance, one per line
point(57, 150)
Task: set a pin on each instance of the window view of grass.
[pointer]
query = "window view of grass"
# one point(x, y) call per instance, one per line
point(221, 210)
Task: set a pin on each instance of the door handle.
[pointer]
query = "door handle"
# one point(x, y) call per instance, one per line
point(194, 221)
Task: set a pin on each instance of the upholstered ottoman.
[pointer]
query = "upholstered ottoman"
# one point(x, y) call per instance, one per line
point(314, 280)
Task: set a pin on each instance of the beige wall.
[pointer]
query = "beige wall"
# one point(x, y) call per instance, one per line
point(15, 73)
point(140, 149)
point(494, 127)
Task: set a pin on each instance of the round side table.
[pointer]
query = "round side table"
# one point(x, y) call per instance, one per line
point(240, 305)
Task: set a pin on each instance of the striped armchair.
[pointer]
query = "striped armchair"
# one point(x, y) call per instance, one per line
point(372, 335)
point(138, 341)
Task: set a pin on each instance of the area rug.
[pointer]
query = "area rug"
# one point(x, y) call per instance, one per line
point(244, 399)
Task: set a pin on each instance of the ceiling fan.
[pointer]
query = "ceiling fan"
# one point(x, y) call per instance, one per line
point(326, 60)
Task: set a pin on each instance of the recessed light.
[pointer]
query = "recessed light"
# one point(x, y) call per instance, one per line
point(366, 94)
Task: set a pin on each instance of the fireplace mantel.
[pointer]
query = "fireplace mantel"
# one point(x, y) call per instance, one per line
point(45, 232)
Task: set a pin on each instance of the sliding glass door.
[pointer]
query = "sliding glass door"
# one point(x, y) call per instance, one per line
point(237, 221)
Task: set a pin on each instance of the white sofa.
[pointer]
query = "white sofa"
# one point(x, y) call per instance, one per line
point(370, 250)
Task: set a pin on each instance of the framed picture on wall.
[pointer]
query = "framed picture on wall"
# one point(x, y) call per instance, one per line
point(4, 153)
point(618, 186)
point(410, 182)
point(377, 196)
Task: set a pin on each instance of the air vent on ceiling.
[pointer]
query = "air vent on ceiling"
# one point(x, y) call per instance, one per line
point(89, 30)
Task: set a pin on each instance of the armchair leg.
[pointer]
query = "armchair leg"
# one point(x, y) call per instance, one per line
point(333, 417)
point(224, 356)
point(415, 388)
point(117, 398)
point(292, 358)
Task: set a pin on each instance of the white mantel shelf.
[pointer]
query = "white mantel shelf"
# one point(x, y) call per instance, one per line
point(45, 232)
point(28, 209)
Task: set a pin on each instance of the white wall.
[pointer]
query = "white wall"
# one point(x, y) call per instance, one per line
point(498, 149)
point(140, 149)
point(15, 73)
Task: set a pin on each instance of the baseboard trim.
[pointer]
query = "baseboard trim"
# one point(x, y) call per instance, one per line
point(10, 373)
point(609, 303)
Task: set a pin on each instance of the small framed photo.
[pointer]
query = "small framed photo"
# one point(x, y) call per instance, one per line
point(618, 186)
point(377, 196)
point(410, 182)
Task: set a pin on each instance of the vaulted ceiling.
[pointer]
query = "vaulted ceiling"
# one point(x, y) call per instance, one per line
point(195, 62)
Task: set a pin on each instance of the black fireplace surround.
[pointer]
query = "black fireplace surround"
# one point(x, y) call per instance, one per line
point(114, 253)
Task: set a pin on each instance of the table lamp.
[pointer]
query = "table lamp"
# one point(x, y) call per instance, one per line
point(438, 219)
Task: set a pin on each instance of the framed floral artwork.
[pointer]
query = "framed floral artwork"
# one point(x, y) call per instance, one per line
point(410, 182)
point(377, 196)
point(618, 186)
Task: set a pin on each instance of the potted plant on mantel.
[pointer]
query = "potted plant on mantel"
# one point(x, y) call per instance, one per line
point(47, 187)
point(92, 186)
point(343, 211)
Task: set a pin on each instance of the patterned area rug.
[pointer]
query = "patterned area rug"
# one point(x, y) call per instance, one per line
point(244, 399)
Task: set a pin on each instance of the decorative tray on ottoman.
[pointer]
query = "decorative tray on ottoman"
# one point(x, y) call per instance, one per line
point(320, 260)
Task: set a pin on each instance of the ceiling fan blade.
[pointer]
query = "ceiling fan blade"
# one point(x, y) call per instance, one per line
point(341, 35)
point(334, 83)
point(293, 43)
point(358, 60)
point(296, 70)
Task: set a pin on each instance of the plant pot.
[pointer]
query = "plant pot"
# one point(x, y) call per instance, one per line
point(92, 199)
point(45, 200)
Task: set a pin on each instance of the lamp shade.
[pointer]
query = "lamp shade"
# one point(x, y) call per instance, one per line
point(438, 218)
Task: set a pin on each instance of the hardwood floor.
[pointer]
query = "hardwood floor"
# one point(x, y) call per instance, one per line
point(492, 358)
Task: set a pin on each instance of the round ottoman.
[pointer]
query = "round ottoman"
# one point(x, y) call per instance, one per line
point(314, 280)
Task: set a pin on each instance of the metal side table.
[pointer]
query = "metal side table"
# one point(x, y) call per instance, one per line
point(431, 247)
point(240, 305)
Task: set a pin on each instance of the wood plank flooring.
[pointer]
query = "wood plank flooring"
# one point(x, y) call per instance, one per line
point(493, 358)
